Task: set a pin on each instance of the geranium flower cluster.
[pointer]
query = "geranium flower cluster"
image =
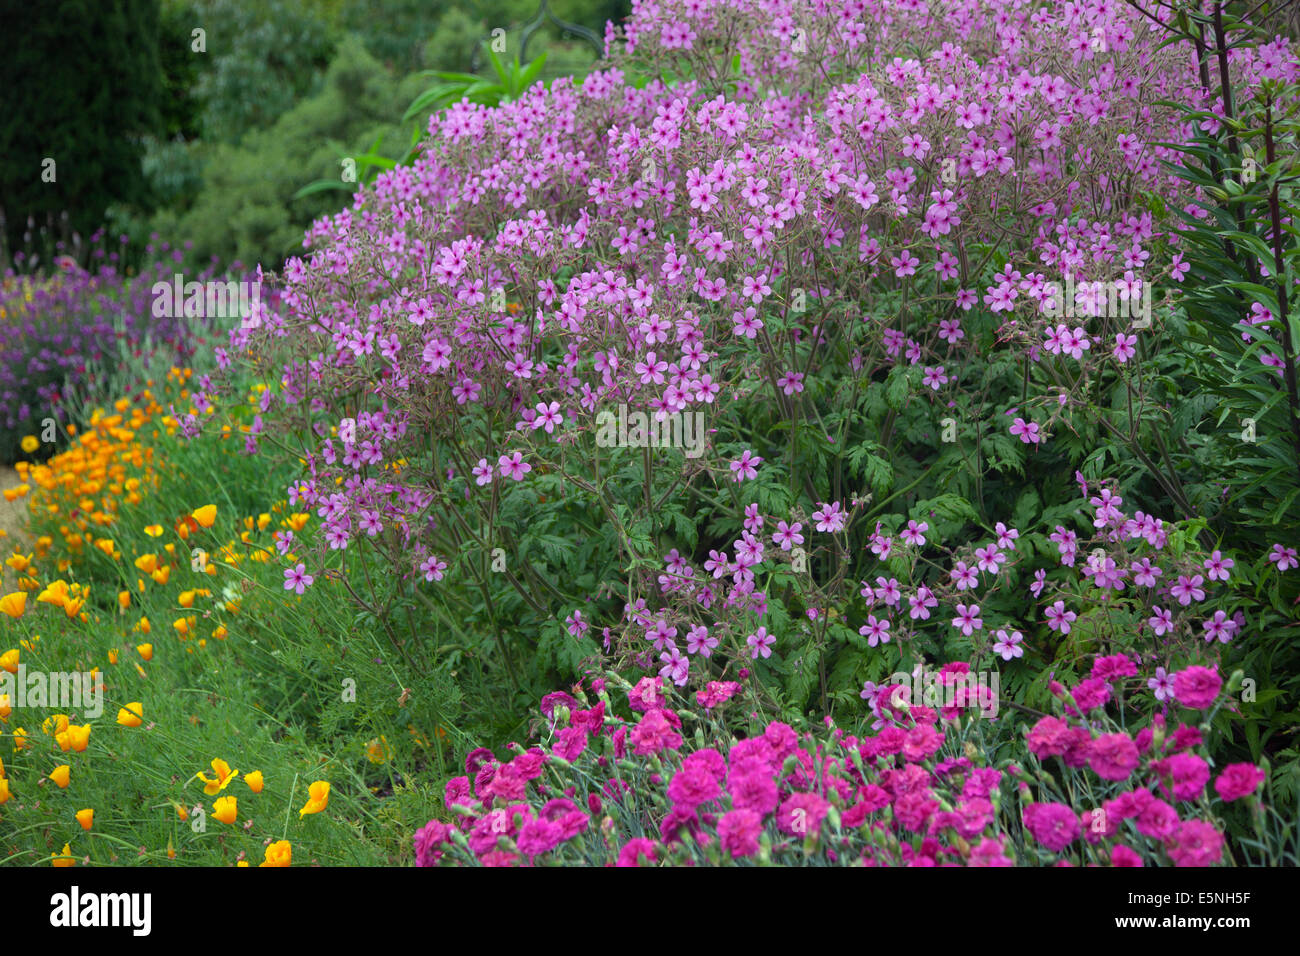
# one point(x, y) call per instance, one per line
point(677, 248)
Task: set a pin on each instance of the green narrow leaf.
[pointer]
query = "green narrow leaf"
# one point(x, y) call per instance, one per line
point(498, 67)
point(323, 185)
point(531, 71)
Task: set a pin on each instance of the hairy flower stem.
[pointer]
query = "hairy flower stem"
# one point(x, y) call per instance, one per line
point(1279, 276)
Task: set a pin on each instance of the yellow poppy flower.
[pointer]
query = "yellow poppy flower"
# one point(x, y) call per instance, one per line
point(279, 853)
point(225, 809)
point(30, 443)
point(222, 775)
point(205, 515)
point(61, 775)
point(14, 604)
point(75, 738)
point(145, 651)
point(56, 593)
point(132, 715)
point(153, 530)
point(318, 798)
point(254, 781)
point(86, 818)
point(9, 659)
point(4, 791)
point(64, 858)
point(55, 725)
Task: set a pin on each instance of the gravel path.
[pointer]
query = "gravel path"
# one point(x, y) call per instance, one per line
point(13, 515)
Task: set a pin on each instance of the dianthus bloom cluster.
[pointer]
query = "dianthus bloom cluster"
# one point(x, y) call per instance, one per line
point(646, 789)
